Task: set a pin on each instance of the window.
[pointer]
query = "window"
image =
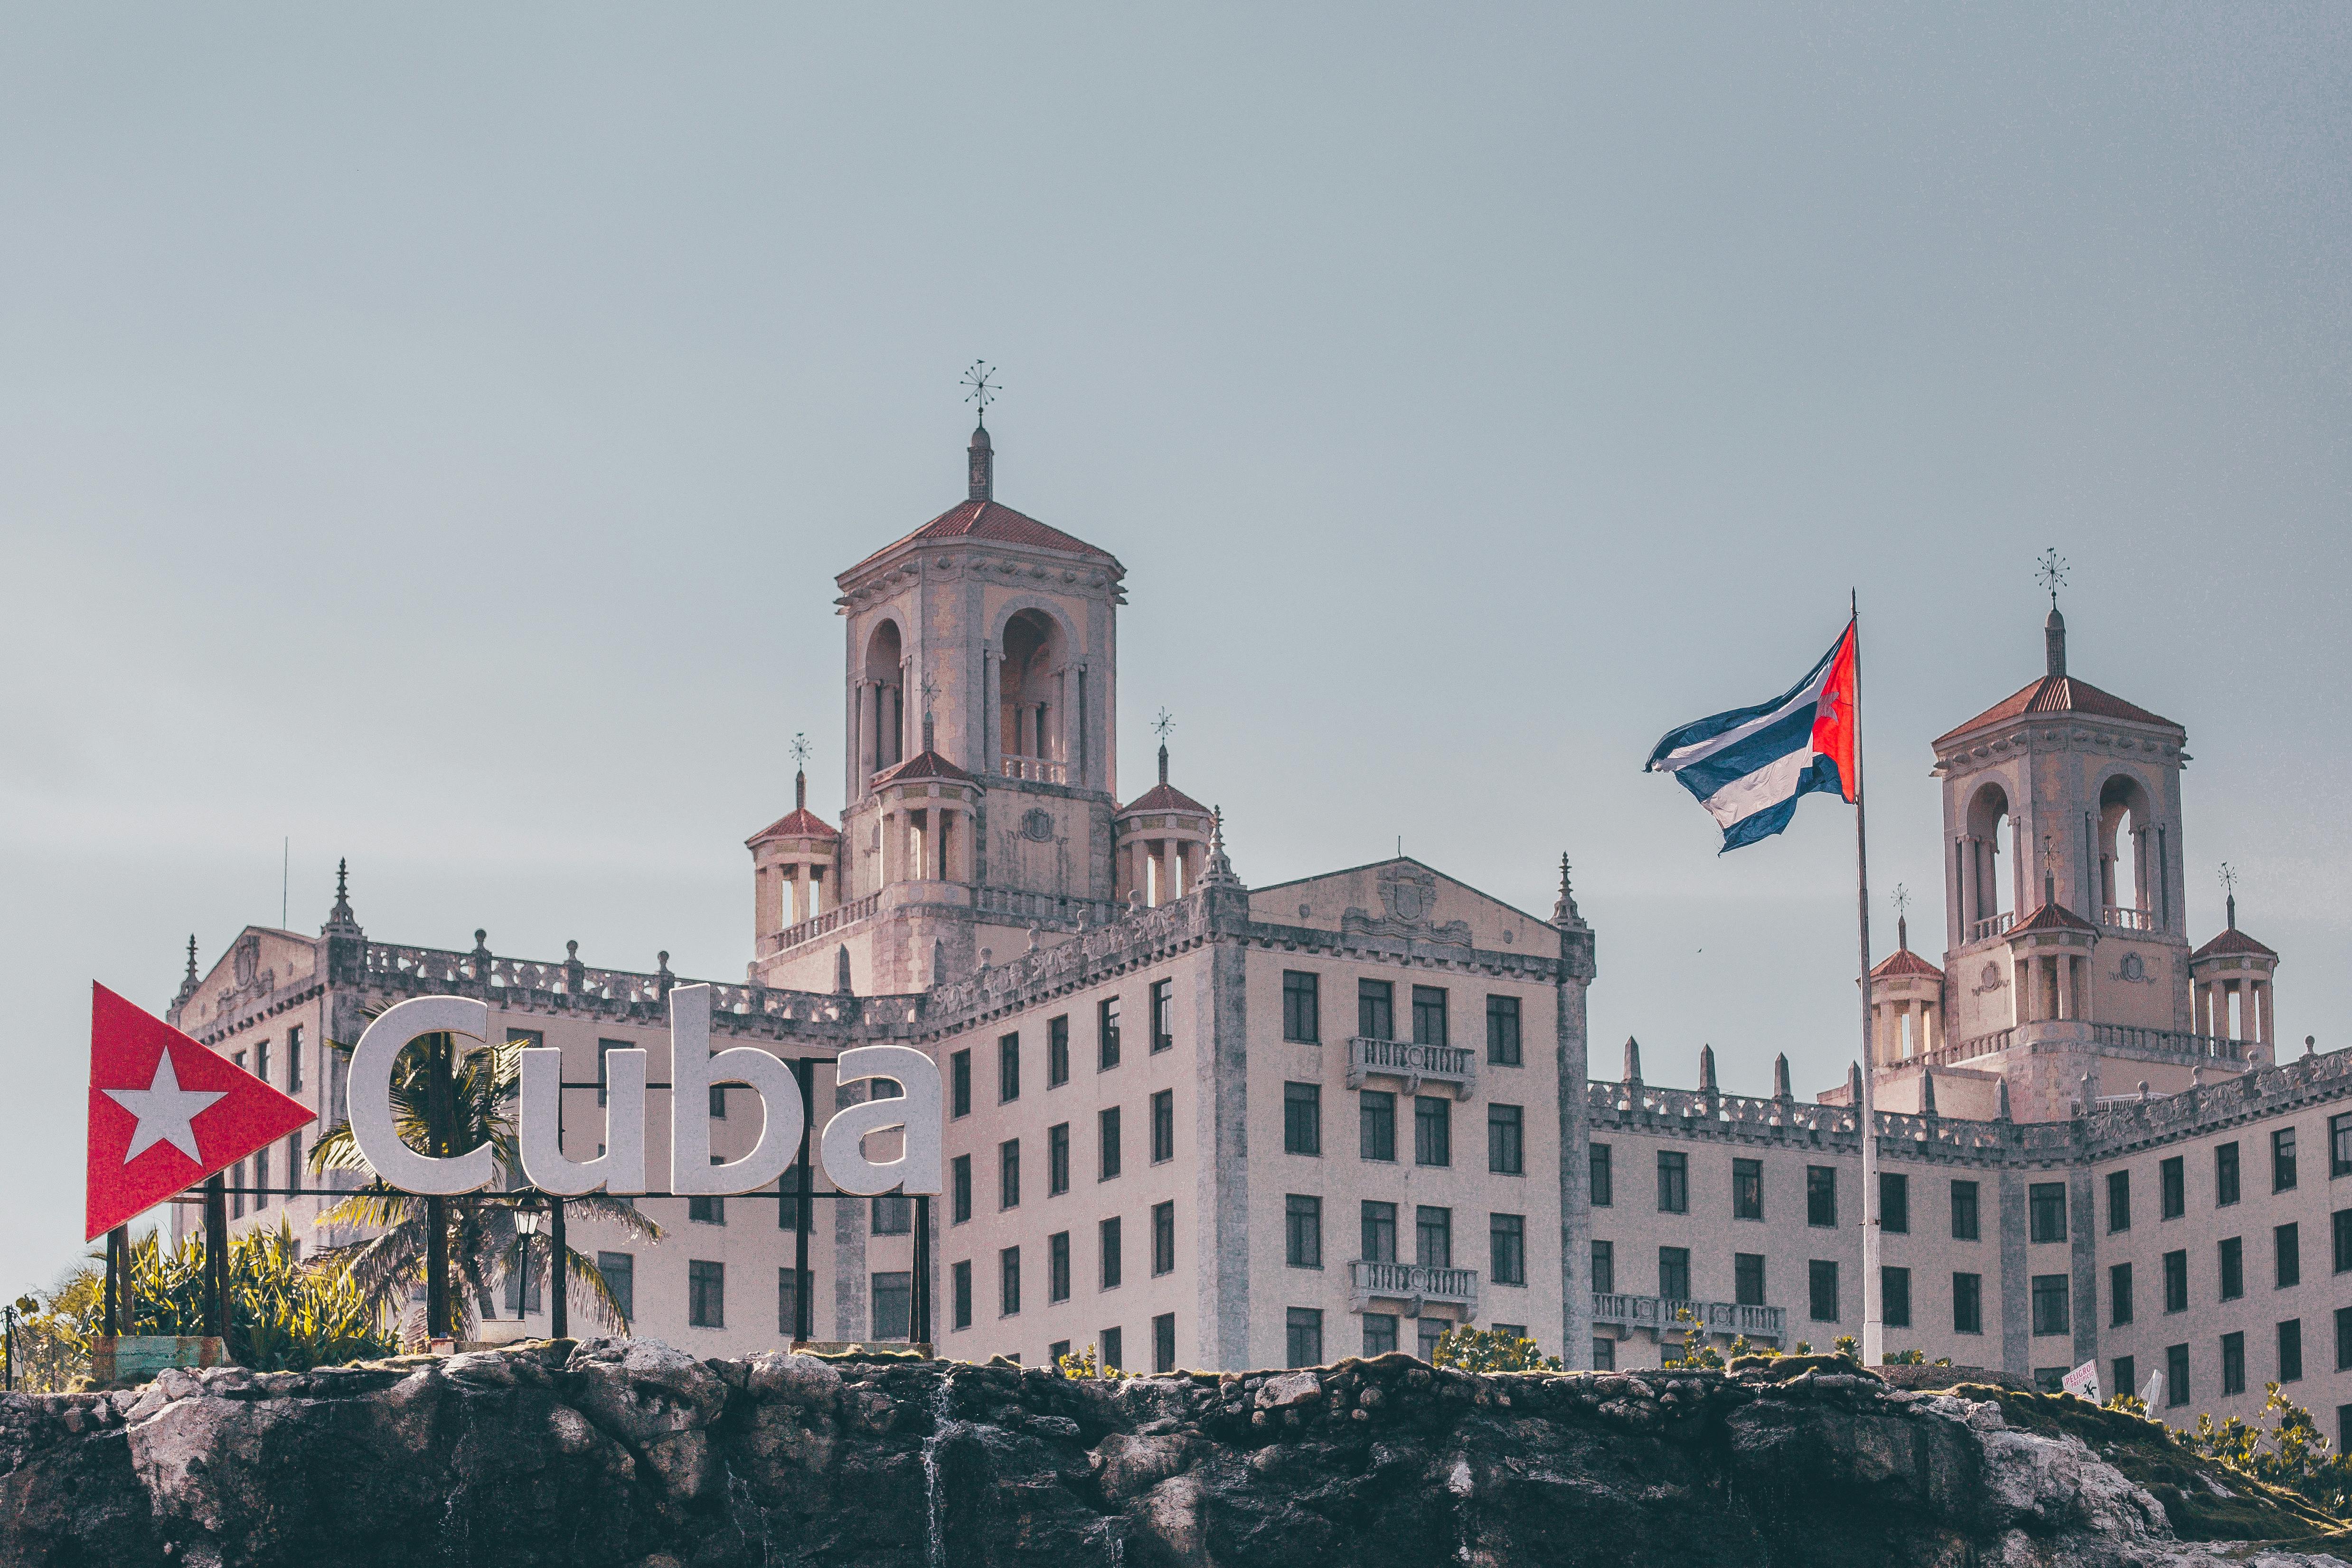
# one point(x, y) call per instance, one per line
point(1376, 1125)
point(959, 1291)
point(1008, 1068)
point(1008, 1282)
point(1821, 1287)
point(1058, 1267)
point(2046, 1210)
point(1008, 1173)
point(2119, 1299)
point(1302, 1006)
point(1302, 1118)
point(1673, 1182)
point(1820, 1194)
point(1114, 1347)
point(2342, 1222)
point(2344, 1339)
point(1375, 1009)
point(1604, 1267)
point(1163, 1237)
point(706, 1292)
point(2287, 1256)
point(1163, 1126)
point(1107, 1034)
point(893, 1299)
point(1379, 1222)
point(1895, 1297)
point(788, 1204)
point(294, 1059)
point(1107, 1138)
point(605, 1048)
point(1968, 1303)
point(2172, 1198)
point(2283, 1159)
point(2050, 1308)
point(1380, 1333)
point(2127, 1370)
point(2290, 1351)
point(1429, 1015)
point(2234, 1268)
point(2233, 1363)
point(1057, 1052)
point(719, 1102)
point(1163, 1015)
point(1599, 1182)
point(2339, 1150)
point(1747, 1279)
point(1433, 1237)
point(1163, 1342)
point(1674, 1273)
point(1433, 1131)
point(960, 1190)
point(1504, 1155)
point(2118, 1204)
point(707, 1210)
point(2176, 1375)
point(1893, 1203)
point(1604, 1355)
point(261, 1060)
point(1507, 1247)
point(1302, 1332)
point(1109, 1242)
point(2225, 1175)
point(2176, 1281)
point(960, 1084)
point(1303, 1230)
point(261, 1178)
point(1503, 1031)
point(788, 1303)
point(1964, 1211)
point(1432, 1329)
point(620, 1272)
point(1057, 1351)
point(236, 1175)
point(1057, 1159)
point(894, 1214)
point(1747, 1190)
point(2049, 1379)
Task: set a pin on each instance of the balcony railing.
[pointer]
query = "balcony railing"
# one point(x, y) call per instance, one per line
point(816, 926)
point(1416, 1064)
point(2124, 917)
point(2168, 1039)
point(1663, 1314)
point(1992, 926)
point(1036, 769)
point(1414, 1284)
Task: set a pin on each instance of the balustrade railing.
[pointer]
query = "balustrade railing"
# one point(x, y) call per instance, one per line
point(1413, 1283)
point(1992, 925)
point(2124, 917)
point(818, 925)
point(2168, 1039)
point(1036, 769)
point(1050, 908)
point(1663, 1314)
point(1416, 1064)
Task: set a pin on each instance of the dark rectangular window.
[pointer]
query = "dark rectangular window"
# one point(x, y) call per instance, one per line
point(1057, 1351)
point(788, 1303)
point(1507, 1247)
point(2283, 1159)
point(960, 1190)
point(894, 1214)
point(294, 1059)
point(1893, 1203)
point(620, 1272)
point(1303, 1336)
point(2290, 1351)
point(2118, 1201)
point(2046, 1210)
point(1673, 1182)
point(1163, 1342)
point(1057, 1159)
point(2172, 1188)
point(1429, 1015)
point(1107, 1034)
point(1163, 1237)
point(1302, 1119)
point(959, 1291)
point(893, 1299)
point(1822, 1290)
point(706, 1292)
point(1114, 1347)
point(1303, 1230)
point(707, 1210)
point(1968, 1303)
point(1111, 1260)
point(1599, 1179)
point(1008, 1282)
point(2176, 1281)
point(2233, 1363)
point(1433, 1130)
point(1163, 1014)
point(1503, 1031)
point(2127, 1370)
point(1376, 1125)
point(1747, 1279)
point(1008, 1173)
point(2176, 1375)
point(719, 1102)
point(1820, 1194)
point(1008, 1068)
point(2286, 1255)
point(1107, 1144)
point(2049, 1314)
point(1895, 1297)
point(1379, 1221)
point(1604, 1267)
point(1302, 1006)
point(1674, 1273)
point(1380, 1333)
point(2234, 1268)
point(2344, 1339)
point(2225, 1175)
point(1964, 1211)
point(1057, 1052)
point(2339, 1150)
point(1747, 1190)
point(788, 1206)
point(1604, 1355)
point(1057, 1266)
point(2119, 1297)
point(1375, 1009)
point(605, 1048)
point(1433, 1237)
point(1163, 1125)
point(960, 1084)
point(2341, 1223)
point(1504, 1153)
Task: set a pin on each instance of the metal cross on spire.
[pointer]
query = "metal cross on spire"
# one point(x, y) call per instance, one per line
point(1162, 725)
point(2050, 571)
point(1902, 901)
point(2229, 878)
point(800, 748)
point(983, 389)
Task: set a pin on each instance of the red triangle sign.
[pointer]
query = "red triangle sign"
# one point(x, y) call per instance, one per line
point(165, 1112)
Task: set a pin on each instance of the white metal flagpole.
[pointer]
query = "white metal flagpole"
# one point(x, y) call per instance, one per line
point(1874, 1329)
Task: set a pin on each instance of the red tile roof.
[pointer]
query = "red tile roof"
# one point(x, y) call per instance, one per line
point(1163, 798)
point(2234, 940)
point(924, 765)
point(2051, 917)
point(1902, 962)
point(2058, 694)
point(988, 521)
point(801, 823)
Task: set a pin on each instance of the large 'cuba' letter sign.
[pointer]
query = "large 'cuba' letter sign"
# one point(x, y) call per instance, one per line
point(621, 1169)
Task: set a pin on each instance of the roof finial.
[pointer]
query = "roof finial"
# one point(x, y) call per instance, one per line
point(2229, 890)
point(2052, 570)
point(188, 983)
point(982, 454)
point(1781, 1077)
point(1161, 726)
point(340, 919)
point(1706, 1070)
point(1632, 1059)
point(1902, 920)
point(1220, 868)
point(1564, 911)
point(2049, 870)
point(192, 955)
point(799, 750)
point(1927, 1094)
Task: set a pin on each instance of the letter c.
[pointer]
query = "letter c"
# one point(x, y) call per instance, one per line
point(372, 1127)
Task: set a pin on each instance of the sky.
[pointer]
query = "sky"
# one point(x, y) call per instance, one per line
point(429, 433)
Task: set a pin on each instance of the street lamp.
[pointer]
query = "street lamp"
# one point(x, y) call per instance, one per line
point(531, 1220)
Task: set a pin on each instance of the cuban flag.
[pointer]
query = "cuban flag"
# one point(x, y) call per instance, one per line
point(1748, 767)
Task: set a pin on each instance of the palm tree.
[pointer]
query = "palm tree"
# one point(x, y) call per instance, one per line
point(481, 1245)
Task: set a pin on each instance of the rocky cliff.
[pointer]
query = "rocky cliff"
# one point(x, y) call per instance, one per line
point(633, 1454)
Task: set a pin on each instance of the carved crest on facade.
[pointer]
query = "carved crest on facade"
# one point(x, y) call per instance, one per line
point(1989, 980)
point(1408, 899)
point(1037, 825)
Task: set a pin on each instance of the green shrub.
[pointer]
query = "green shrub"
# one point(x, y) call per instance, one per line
point(1467, 1349)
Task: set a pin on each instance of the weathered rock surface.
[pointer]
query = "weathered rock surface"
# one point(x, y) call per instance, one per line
point(633, 1454)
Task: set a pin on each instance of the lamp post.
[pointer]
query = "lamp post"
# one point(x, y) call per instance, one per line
point(531, 1220)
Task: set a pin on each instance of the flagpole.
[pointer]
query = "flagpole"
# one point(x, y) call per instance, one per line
point(1874, 1330)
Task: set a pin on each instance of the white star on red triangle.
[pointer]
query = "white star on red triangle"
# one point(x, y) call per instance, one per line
point(165, 1111)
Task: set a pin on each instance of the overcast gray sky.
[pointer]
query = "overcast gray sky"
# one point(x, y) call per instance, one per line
point(429, 435)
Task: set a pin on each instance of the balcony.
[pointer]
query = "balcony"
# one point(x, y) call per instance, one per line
point(1454, 1065)
point(818, 926)
point(1414, 1284)
point(1662, 1315)
point(2124, 917)
point(2169, 1040)
point(1036, 769)
point(1992, 926)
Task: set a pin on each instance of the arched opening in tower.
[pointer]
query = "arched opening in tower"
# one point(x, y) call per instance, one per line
point(2126, 842)
point(1034, 699)
point(882, 708)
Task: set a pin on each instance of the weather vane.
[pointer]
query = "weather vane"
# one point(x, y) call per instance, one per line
point(1162, 725)
point(2229, 879)
point(983, 391)
point(800, 748)
point(2051, 572)
point(1902, 901)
